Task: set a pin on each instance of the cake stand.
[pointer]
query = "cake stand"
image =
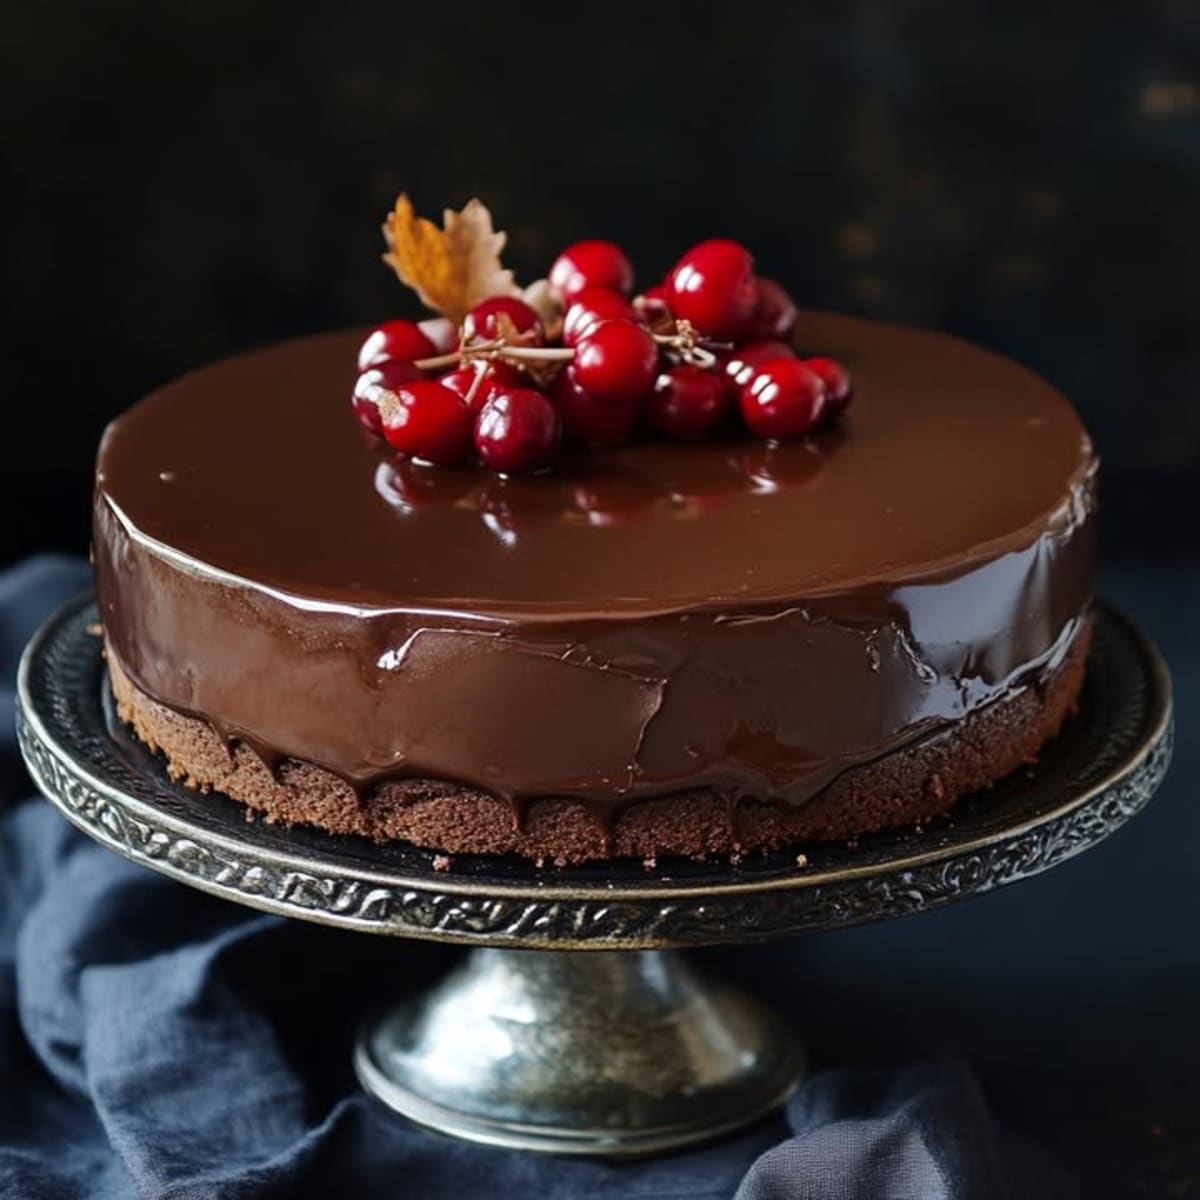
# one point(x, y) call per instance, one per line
point(624, 1050)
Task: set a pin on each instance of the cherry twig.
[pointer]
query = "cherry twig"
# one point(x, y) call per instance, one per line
point(481, 370)
point(685, 341)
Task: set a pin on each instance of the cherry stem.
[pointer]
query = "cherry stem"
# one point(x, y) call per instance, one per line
point(481, 370)
point(483, 351)
point(537, 353)
point(697, 356)
point(440, 360)
point(684, 341)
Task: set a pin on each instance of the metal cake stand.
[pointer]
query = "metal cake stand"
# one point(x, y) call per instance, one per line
point(528, 1044)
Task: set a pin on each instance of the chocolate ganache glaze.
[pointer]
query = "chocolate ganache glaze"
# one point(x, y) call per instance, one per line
point(741, 616)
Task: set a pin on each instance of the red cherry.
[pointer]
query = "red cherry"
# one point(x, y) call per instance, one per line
point(498, 375)
point(481, 320)
point(517, 430)
point(589, 419)
point(774, 312)
point(651, 305)
point(592, 307)
point(742, 363)
point(687, 402)
point(427, 421)
point(616, 360)
point(839, 390)
point(402, 340)
point(592, 264)
point(388, 375)
point(367, 412)
point(785, 399)
point(712, 286)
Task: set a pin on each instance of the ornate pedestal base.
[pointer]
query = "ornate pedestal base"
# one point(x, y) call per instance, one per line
point(611, 1053)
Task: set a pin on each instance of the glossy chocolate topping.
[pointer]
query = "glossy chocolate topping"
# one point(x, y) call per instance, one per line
point(749, 617)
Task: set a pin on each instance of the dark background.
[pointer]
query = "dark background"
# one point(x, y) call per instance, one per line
point(185, 180)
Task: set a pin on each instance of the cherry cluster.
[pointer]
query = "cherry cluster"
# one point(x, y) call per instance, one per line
point(601, 367)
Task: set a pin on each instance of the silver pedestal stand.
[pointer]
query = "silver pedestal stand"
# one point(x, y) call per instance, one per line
point(530, 1044)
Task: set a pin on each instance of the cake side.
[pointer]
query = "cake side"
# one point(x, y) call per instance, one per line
point(906, 787)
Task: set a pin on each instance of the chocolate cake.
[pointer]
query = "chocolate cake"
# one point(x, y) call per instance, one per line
point(659, 649)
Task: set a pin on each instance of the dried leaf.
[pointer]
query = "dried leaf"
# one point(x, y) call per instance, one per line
point(452, 268)
point(475, 249)
point(418, 253)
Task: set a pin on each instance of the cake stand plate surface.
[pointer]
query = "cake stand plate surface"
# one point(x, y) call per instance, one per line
point(608, 1053)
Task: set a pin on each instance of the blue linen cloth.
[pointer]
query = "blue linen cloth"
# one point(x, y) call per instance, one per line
point(159, 1042)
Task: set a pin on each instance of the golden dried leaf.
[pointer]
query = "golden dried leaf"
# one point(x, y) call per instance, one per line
point(475, 249)
point(453, 268)
point(418, 253)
